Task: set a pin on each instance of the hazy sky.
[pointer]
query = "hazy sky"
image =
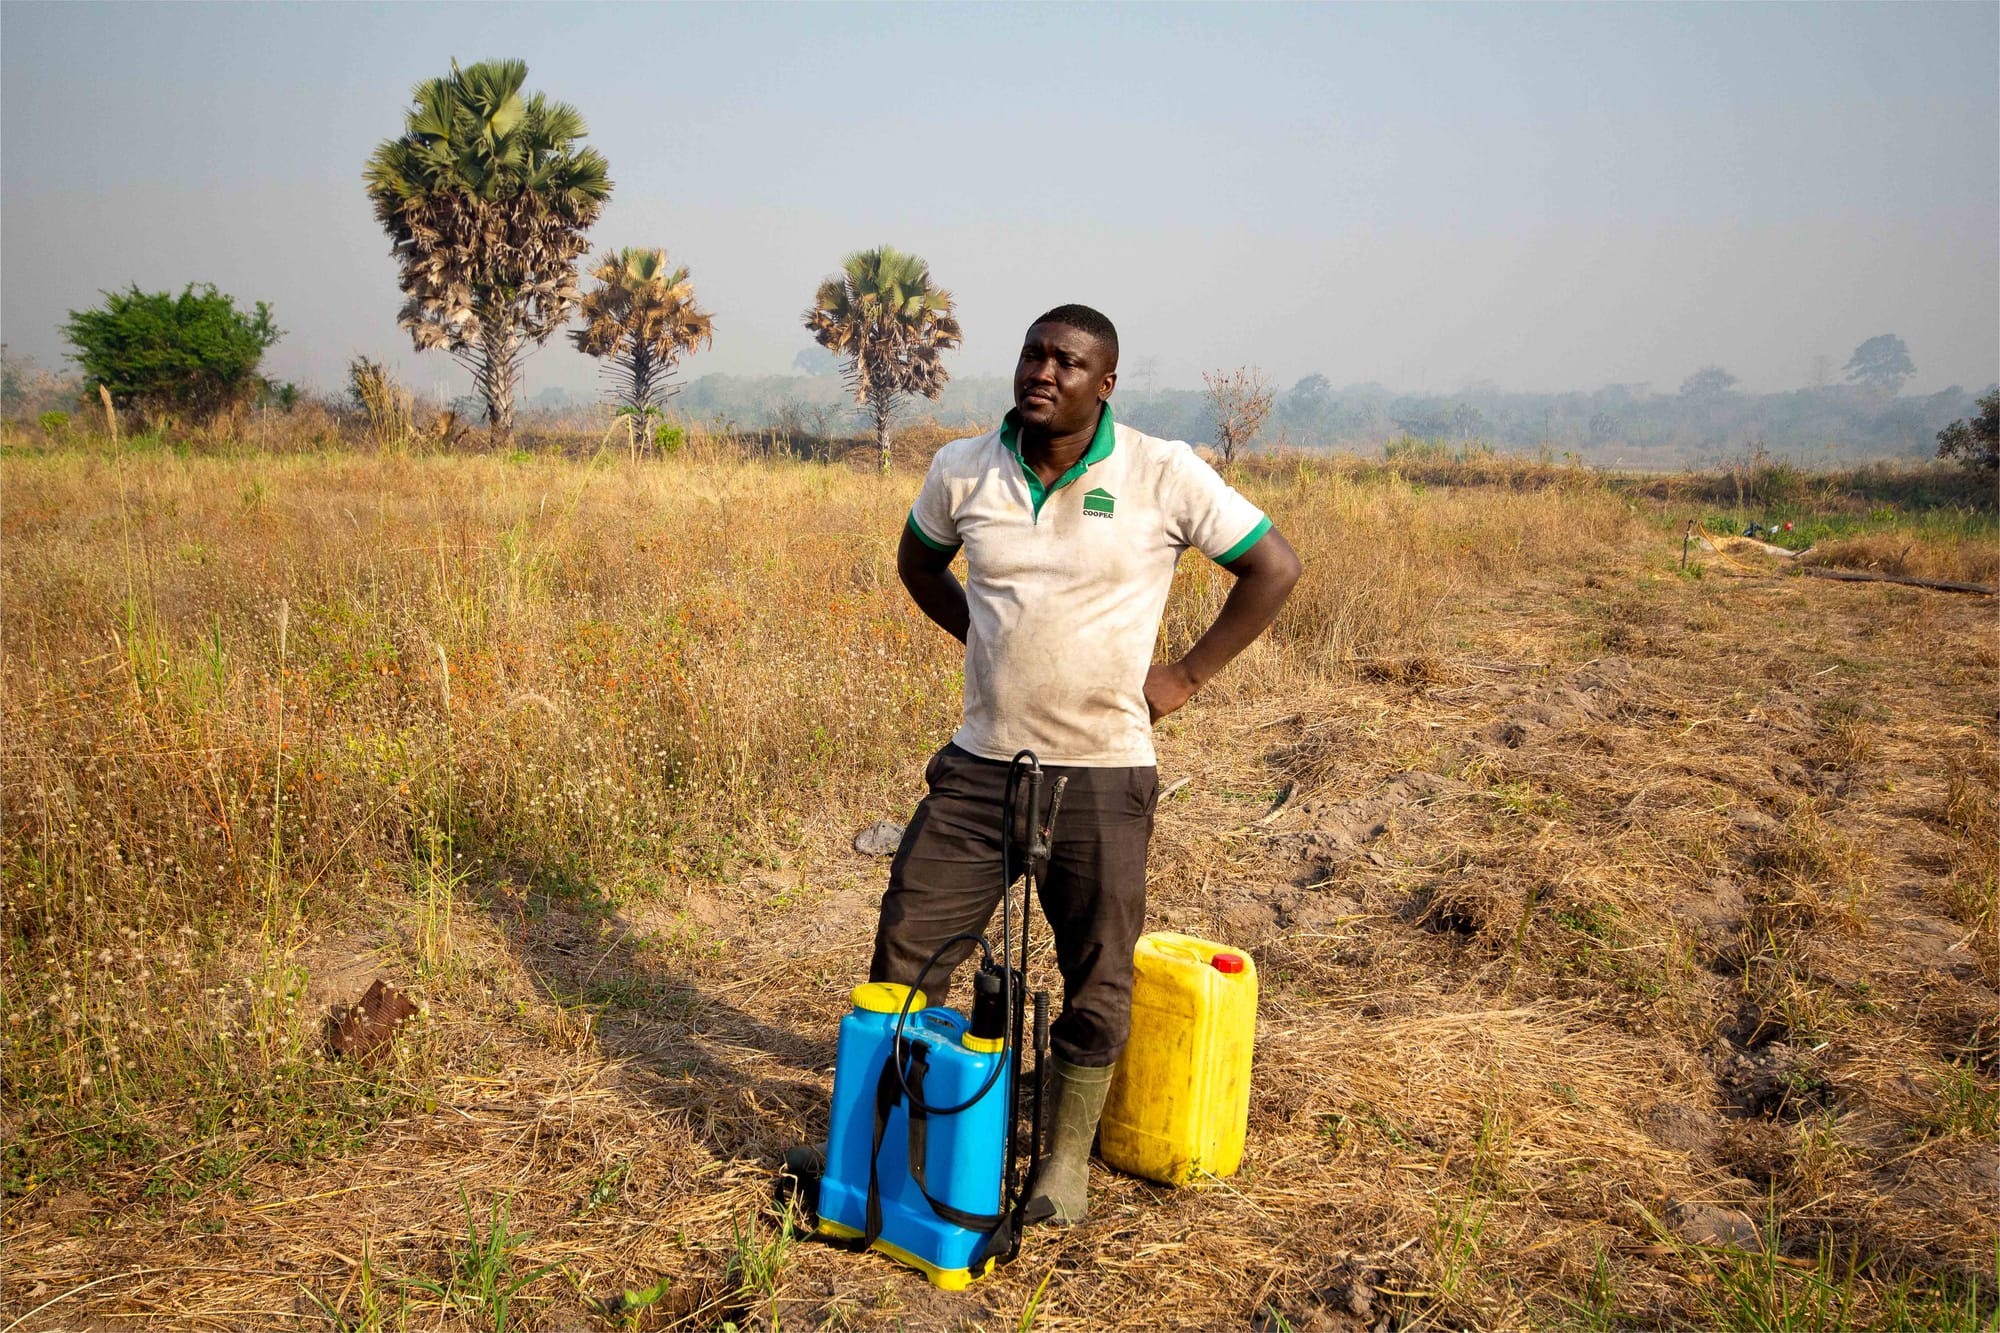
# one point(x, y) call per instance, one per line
point(1546, 197)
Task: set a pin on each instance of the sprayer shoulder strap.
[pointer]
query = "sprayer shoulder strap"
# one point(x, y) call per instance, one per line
point(888, 1091)
point(1001, 1235)
point(920, 1147)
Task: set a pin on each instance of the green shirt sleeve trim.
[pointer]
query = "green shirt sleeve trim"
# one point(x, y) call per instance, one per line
point(1256, 534)
point(936, 545)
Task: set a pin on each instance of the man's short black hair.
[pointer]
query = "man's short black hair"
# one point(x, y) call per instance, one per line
point(1085, 320)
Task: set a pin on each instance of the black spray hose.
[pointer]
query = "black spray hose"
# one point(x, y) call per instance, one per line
point(1010, 1003)
point(1023, 763)
point(1014, 1185)
point(1041, 1079)
point(1040, 831)
point(901, 1042)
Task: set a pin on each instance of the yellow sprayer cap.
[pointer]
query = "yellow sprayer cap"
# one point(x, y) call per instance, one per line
point(885, 997)
point(984, 1045)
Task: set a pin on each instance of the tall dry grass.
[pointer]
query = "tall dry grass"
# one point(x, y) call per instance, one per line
point(1387, 555)
point(276, 723)
point(247, 697)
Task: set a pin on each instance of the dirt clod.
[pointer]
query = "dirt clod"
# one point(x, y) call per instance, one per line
point(1595, 692)
point(1719, 910)
point(1773, 1081)
point(365, 1027)
point(1341, 830)
point(65, 1209)
point(1749, 819)
point(1683, 1128)
point(880, 838)
point(1711, 1224)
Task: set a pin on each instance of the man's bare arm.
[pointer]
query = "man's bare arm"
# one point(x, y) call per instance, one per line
point(1264, 577)
point(926, 572)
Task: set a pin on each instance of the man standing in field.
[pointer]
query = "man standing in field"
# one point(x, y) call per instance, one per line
point(1071, 526)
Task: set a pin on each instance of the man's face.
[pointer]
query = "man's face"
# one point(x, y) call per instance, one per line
point(1063, 378)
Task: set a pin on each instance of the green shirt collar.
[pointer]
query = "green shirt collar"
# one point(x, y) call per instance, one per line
point(1099, 450)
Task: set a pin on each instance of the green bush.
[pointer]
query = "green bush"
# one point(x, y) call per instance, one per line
point(194, 355)
point(53, 423)
point(668, 438)
point(1975, 444)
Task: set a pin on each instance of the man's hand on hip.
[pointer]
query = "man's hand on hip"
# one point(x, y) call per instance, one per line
point(1264, 577)
point(1168, 686)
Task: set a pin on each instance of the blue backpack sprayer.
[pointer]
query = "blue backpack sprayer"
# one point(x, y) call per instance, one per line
point(923, 1150)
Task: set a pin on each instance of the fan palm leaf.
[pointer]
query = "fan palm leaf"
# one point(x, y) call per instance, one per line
point(889, 322)
point(641, 319)
point(486, 197)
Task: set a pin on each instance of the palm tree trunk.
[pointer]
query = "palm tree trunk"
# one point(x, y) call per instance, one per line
point(639, 392)
point(496, 381)
point(882, 401)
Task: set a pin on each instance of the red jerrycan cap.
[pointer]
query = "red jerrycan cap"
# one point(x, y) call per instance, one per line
point(1230, 963)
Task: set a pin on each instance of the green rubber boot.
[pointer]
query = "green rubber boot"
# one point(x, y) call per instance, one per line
point(1061, 1187)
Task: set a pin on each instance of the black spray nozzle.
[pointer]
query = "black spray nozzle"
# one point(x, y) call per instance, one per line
point(1055, 804)
point(1038, 843)
point(989, 1003)
point(1041, 820)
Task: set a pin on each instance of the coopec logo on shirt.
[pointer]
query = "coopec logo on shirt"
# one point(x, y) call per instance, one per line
point(1099, 503)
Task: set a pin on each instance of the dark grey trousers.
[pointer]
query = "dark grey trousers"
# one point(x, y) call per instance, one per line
point(946, 879)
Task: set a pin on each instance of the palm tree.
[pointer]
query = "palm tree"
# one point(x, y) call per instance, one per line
point(486, 196)
point(641, 319)
point(885, 319)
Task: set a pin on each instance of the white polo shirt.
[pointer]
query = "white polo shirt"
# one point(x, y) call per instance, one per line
point(1066, 584)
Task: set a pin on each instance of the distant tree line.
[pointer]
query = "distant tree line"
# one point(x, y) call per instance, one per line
point(1626, 424)
point(487, 196)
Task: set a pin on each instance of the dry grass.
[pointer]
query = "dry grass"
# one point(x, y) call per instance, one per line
point(1967, 559)
point(1581, 902)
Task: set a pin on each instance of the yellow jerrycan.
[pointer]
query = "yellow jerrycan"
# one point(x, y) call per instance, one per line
point(1179, 1104)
